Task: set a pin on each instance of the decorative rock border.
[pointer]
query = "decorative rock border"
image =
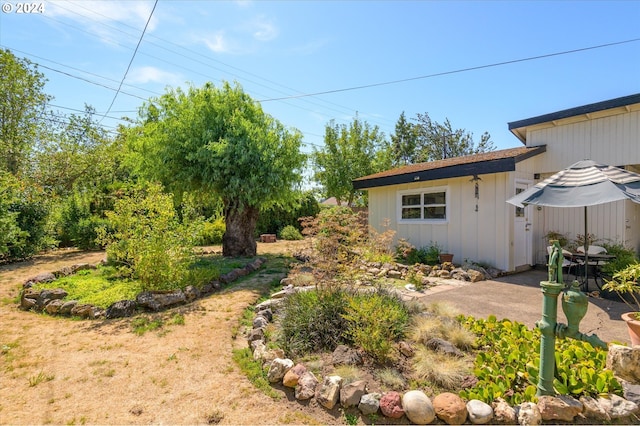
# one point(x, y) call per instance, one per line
point(447, 407)
point(50, 300)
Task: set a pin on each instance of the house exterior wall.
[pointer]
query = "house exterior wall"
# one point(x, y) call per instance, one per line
point(613, 139)
point(481, 236)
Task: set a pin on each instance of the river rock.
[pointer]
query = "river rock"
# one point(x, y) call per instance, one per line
point(480, 413)
point(503, 413)
point(292, 376)
point(450, 408)
point(561, 408)
point(278, 369)
point(329, 391)
point(418, 407)
point(121, 309)
point(306, 388)
point(624, 362)
point(594, 410)
point(391, 405)
point(351, 393)
point(529, 415)
point(369, 403)
point(618, 407)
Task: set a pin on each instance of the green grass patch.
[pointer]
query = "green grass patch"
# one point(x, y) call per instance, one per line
point(143, 324)
point(100, 287)
point(254, 372)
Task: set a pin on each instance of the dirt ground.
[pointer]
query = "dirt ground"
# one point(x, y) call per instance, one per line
point(63, 371)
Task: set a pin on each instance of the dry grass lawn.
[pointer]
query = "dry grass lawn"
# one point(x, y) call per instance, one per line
point(63, 371)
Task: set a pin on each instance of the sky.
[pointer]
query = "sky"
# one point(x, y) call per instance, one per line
point(480, 64)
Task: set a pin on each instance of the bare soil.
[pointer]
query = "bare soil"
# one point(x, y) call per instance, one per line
point(63, 371)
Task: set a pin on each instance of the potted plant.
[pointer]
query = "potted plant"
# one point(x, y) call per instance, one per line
point(555, 235)
point(625, 284)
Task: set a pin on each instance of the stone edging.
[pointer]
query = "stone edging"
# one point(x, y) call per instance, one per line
point(448, 407)
point(50, 300)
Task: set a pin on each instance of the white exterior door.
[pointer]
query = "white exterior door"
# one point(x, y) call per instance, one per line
point(522, 241)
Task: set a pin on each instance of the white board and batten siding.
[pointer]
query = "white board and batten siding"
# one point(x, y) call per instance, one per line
point(481, 235)
point(609, 137)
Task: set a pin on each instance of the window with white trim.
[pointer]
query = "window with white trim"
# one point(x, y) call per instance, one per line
point(424, 205)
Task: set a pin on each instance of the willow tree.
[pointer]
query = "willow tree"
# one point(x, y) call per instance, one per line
point(220, 141)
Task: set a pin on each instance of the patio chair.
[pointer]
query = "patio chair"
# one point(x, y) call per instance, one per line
point(567, 263)
point(594, 265)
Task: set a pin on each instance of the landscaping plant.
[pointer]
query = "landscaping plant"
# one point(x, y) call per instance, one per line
point(508, 360)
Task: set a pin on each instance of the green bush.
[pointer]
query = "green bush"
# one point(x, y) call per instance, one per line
point(375, 321)
point(212, 232)
point(146, 240)
point(313, 321)
point(508, 361)
point(290, 233)
point(276, 217)
point(623, 257)
point(31, 208)
point(410, 255)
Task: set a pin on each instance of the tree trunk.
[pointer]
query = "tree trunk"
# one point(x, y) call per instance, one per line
point(238, 239)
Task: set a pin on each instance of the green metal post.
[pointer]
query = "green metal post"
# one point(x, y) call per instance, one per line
point(547, 326)
point(574, 305)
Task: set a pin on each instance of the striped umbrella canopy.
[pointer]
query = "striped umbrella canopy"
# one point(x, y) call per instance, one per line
point(585, 183)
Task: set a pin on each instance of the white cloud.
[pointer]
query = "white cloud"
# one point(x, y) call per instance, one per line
point(216, 42)
point(110, 20)
point(143, 75)
point(264, 30)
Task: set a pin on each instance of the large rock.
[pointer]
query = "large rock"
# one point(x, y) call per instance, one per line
point(329, 391)
point(418, 407)
point(84, 311)
point(450, 408)
point(503, 413)
point(292, 376)
point(191, 293)
point(480, 413)
point(53, 307)
point(45, 277)
point(594, 410)
point(160, 300)
point(351, 393)
point(618, 407)
point(260, 321)
point(529, 415)
point(67, 307)
point(475, 276)
point(443, 346)
point(369, 403)
point(306, 388)
point(48, 295)
point(561, 408)
point(391, 405)
point(121, 309)
point(624, 362)
point(344, 355)
point(278, 369)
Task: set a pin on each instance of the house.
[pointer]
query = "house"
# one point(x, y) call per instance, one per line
point(460, 203)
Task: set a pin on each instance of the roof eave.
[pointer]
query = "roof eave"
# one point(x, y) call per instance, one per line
point(471, 169)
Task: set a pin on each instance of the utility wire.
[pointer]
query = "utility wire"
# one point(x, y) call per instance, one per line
point(461, 70)
point(131, 61)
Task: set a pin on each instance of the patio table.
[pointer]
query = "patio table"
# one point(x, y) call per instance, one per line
point(596, 261)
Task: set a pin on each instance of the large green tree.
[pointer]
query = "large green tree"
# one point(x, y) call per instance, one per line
point(437, 141)
point(404, 142)
point(350, 151)
point(219, 140)
point(22, 108)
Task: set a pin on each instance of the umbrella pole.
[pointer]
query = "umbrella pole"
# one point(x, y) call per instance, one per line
point(586, 252)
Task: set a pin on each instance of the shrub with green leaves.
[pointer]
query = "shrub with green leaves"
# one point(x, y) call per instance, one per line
point(313, 321)
point(507, 364)
point(375, 321)
point(147, 240)
point(290, 233)
point(211, 232)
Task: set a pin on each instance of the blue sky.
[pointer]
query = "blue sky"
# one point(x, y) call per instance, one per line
point(284, 49)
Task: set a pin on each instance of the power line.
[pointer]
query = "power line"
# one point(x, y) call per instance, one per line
point(131, 61)
point(461, 70)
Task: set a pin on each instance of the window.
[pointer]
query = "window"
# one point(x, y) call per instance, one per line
point(519, 210)
point(425, 206)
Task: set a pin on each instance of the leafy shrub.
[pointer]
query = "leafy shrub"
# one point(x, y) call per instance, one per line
point(623, 257)
point(275, 218)
point(147, 241)
point(313, 321)
point(508, 361)
point(290, 233)
point(410, 255)
point(375, 321)
point(212, 232)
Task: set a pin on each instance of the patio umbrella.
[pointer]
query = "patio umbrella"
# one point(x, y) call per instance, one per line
point(585, 183)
